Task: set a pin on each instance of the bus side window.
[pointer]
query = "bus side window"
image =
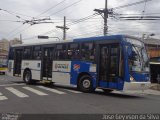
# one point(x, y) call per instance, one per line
point(27, 53)
point(61, 52)
point(88, 51)
point(37, 52)
point(73, 51)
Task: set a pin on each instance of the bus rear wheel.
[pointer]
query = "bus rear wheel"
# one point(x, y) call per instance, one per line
point(27, 77)
point(85, 84)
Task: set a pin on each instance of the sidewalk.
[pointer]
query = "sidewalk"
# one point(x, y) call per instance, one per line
point(155, 87)
point(145, 92)
point(152, 92)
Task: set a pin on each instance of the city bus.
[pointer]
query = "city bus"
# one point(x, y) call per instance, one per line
point(116, 62)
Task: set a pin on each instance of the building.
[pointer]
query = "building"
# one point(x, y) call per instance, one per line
point(15, 41)
point(153, 50)
point(4, 48)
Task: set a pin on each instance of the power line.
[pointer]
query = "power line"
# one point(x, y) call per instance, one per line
point(20, 31)
point(66, 7)
point(131, 4)
point(51, 8)
point(18, 15)
point(83, 19)
point(14, 30)
point(140, 14)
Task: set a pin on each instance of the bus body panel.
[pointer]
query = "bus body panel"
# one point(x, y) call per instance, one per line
point(112, 85)
point(10, 67)
point(82, 67)
point(140, 77)
point(61, 72)
point(136, 86)
point(34, 66)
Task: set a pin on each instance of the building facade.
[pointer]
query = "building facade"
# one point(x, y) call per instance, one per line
point(153, 50)
point(4, 49)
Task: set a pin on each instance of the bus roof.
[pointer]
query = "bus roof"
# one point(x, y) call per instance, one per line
point(111, 37)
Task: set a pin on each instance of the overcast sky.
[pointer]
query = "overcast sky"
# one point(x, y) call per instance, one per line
point(14, 12)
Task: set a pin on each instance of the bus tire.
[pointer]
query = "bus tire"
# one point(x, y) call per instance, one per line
point(85, 84)
point(28, 77)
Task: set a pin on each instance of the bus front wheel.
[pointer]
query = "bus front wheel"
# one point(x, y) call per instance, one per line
point(85, 84)
point(27, 77)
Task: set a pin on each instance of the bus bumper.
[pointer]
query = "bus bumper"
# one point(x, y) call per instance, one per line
point(136, 86)
point(3, 70)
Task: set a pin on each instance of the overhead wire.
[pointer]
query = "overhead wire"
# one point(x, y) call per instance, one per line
point(18, 15)
point(59, 10)
point(20, 31)
point(65, 7)
point(131, 4)
point(51, 8)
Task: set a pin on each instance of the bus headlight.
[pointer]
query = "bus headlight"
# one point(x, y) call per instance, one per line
point(131, 78)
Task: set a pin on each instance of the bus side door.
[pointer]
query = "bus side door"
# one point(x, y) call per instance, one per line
point(109, 64)
point(47, 61)
point(17, 61)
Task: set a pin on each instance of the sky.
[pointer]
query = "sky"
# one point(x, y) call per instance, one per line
point(13, 13)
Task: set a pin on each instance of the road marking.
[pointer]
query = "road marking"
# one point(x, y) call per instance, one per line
point(51, 90)
point(16, 84)
point(0, 93)
point(16, 92)
point(35, 91)
point(3, 98)
point(74, 91)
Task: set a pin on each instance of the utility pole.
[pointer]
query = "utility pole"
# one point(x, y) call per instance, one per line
point(105, 18)
point(105, 11)
point(20, 37)
point(64, 28)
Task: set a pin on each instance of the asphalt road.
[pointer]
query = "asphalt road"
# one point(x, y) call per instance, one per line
point(16, 97)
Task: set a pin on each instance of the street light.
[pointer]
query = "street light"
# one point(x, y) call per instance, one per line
point(47, 37)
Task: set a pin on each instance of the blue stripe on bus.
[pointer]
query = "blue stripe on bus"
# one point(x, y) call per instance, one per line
point(113, 37)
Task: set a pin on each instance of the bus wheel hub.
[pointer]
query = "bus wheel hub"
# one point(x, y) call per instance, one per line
point(86, 83)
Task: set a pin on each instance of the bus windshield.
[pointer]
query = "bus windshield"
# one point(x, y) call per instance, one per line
point(139, 61)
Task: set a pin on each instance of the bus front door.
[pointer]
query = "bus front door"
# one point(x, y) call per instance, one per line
point(47, 63)
point(17, 61)
point(108, 65)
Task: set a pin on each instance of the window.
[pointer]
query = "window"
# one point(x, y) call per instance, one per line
point(74, 51)
point(114, 60)
point(37, 52)
point(61, 52)
point(121, 63)
point(88, 51)
point(27, 53)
